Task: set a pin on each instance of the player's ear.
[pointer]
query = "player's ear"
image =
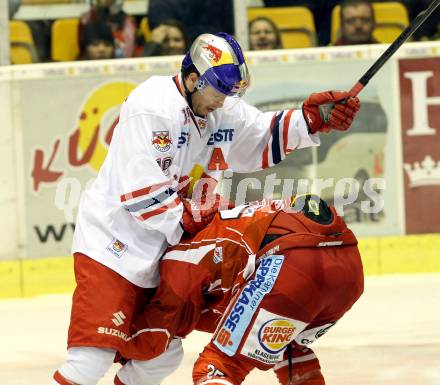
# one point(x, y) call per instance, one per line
point(191, 80)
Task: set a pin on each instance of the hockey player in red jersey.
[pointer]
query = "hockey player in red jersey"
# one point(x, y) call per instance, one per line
point(268, 278)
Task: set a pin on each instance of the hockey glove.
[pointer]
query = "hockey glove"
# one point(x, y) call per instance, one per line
point(330, 110)
point(197, 214)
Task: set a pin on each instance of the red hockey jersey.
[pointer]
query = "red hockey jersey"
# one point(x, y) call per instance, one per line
point(292, 290)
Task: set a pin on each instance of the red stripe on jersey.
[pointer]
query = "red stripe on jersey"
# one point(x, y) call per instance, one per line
point(143, 191)
point(160, 210)
point(58, 377)
point(177, 83)
point(286, 132)
point(118, 381)
point(265, 160)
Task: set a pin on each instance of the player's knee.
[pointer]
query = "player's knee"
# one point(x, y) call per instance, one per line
point(59, 379)
point(84, 366)
point(151, 372)
point(175, 353)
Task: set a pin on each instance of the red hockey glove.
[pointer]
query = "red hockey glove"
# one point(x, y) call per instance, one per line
point(330, 110)
point(197, 214)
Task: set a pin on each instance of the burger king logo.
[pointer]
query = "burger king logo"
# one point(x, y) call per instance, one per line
point(275, 334)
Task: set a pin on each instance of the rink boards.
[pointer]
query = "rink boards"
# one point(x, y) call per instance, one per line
point(56, 119)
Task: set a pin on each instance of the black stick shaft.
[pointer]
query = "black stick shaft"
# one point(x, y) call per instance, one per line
point(404, 36)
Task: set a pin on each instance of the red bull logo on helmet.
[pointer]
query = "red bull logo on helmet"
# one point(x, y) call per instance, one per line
point(161, 141)
point(215, 54)
point(275, 334)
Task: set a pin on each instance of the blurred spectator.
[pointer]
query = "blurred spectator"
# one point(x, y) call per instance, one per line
point(264, 34)
point(196, 16)
point(122, 25)
point(357, 23)
point(166, 39)
point(97, 41)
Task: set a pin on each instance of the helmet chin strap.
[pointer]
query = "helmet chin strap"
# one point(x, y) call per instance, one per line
point(188, 93)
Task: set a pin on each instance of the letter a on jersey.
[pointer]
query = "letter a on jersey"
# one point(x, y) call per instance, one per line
point(217, 161)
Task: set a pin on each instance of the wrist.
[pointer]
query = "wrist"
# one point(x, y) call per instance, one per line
point(310, 118)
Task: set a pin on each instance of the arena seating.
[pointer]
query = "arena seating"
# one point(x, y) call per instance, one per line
point(65, 45)
point(21, 43)
point(44, 2)
point(296, 24)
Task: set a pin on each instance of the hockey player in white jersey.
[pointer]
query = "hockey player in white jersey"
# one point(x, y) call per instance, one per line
point(172, 131)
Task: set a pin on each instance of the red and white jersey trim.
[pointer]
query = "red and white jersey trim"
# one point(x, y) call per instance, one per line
point(296, 360)
point(146, 191)
point(215, 381)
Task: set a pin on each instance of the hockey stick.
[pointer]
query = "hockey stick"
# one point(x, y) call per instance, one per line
point(404, 36)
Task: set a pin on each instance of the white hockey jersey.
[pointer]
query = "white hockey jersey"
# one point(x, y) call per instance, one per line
point(132, 211)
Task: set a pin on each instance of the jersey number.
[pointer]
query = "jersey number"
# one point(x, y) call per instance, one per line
point(214, 372)
point(164, 163)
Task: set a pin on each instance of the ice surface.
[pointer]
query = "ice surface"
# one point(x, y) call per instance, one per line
point(390, 337)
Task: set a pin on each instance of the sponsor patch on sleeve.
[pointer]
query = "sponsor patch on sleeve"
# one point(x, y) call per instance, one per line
point(117, 248)
point(269, 337)
point(161, 141)
point(240, 314)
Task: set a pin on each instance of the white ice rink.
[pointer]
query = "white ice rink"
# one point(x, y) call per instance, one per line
point(390, 337)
